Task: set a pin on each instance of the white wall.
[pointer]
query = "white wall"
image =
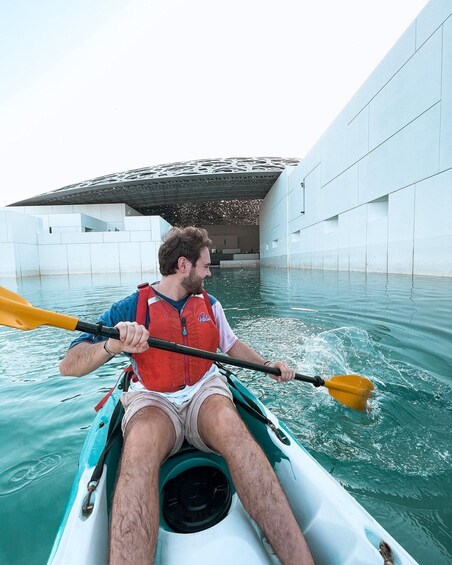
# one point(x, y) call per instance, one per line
point(378, 184)
point(111, 215)
point(273, 222)
point(18, 244)
point(28, 249)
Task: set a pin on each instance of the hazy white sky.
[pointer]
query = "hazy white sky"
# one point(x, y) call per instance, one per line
point(90, 87)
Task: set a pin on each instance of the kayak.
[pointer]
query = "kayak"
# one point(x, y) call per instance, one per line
point(202, 520)
point(201, 517)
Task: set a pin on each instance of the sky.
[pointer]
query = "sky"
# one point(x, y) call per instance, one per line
point(90, 88)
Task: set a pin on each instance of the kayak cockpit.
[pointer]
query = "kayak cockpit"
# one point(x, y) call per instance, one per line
point(196, 492)
point(202, 518)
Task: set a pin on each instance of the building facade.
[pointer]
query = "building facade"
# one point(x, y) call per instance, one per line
point(78, 239)
point(375, 192)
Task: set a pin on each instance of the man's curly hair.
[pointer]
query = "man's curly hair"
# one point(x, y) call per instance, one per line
point(185, 242)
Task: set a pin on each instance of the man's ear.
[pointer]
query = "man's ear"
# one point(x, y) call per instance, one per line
point(182, 264)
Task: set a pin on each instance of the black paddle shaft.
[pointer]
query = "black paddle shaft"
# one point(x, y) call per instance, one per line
point(100, 329)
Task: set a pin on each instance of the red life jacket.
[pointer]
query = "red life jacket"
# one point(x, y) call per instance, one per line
point(166, 371)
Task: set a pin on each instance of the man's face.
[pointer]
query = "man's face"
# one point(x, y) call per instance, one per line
point(194, 281)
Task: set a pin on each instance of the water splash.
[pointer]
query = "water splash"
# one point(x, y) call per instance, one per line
point(396, 433)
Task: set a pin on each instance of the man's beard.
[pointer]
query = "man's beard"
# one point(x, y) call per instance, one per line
point(193, 284)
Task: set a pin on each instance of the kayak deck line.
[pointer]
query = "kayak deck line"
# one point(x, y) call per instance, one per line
point(336, 527)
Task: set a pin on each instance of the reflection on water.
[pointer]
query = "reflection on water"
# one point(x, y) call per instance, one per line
point(395, 458)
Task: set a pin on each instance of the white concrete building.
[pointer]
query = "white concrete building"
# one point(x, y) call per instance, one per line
point(78, 239)
point(375, 192)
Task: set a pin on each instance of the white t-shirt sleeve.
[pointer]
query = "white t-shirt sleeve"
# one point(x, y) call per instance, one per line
point(227, 336)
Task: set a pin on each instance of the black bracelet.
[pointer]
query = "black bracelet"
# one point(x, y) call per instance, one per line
point(266, 363)
point(107, 350)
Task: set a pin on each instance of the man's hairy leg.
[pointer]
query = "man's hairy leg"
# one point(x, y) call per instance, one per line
point(222, 429)
point(149, 438)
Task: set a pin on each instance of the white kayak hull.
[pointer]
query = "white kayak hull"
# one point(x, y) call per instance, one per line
point(337, 528)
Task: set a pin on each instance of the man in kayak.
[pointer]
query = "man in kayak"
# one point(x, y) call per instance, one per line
point(177, 397)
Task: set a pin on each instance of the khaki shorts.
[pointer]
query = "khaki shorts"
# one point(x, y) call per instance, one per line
point(184, 418)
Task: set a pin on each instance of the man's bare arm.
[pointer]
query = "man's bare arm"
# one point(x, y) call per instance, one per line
point(241, 350)
point(86, 357)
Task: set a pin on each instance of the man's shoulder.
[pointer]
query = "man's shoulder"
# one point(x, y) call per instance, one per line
point(124, 310)
point(212, 299)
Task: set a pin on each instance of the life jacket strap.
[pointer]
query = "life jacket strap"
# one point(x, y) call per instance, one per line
point(128, 375)
point(142, 304)
point(208, 305)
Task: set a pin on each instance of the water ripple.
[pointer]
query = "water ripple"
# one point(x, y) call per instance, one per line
point(22, 474)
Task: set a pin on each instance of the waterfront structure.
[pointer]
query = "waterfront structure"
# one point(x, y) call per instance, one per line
point(78, 239)
point(374, 194)
point(237, 178)
point(103, 225)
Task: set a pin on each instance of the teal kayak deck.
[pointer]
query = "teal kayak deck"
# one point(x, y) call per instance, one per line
point(202, 517)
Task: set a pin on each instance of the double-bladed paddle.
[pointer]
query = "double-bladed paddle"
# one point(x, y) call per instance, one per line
point(16, 312)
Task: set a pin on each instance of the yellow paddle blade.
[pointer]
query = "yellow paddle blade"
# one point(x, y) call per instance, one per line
point(351, 390)
point(16, 312)
point(5, 293)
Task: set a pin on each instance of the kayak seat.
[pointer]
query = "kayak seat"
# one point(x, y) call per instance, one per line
point(196, 493)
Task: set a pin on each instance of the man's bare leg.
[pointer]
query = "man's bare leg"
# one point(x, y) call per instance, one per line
point(223, 430)
point(149, 438)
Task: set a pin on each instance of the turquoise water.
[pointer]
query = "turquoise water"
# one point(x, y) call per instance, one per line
point(395, 458)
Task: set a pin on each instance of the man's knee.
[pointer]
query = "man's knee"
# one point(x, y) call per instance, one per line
point(220, 425)
point(150, 431)
point(218, 410)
